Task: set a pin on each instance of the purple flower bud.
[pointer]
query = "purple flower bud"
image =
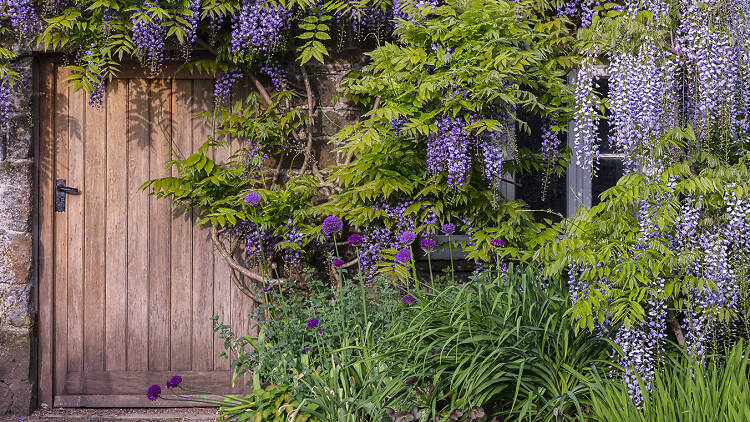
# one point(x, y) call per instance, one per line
point(252, 198)
point(307, 350)
point(312, 323)
point(320, 331)
point(449, 228)
point(407, 238)
point(355, 240)
point(331, 225)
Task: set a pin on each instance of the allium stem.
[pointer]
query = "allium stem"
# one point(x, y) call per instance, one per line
point(450, 250)
point(429, 264)
point(414, 270)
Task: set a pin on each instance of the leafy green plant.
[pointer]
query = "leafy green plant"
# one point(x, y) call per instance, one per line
point(687, 391)
point(275, 403)
point(503, 346)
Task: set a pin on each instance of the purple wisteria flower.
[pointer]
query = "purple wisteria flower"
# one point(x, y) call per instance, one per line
point(332, 225)
point(427, 245)
point(497, 243)
point(174, 381)
point(403, 256)
point(355, 240)
point(252, 198)
point(338, 262)
point(448, 228)
point(154, 392)
point(409, 299)
point(407, 238)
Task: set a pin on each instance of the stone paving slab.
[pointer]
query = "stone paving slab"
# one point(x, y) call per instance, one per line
point(112, 415)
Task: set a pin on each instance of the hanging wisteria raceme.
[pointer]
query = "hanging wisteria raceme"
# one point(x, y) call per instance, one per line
point(259, 28)
point(108, 16)
point(367, 18)
point(584, 9)
point(738, 225)
point(292, 256)
point(277, 74)
point(6, 101)
point(492, 152)
point(449, 150)
point(149, 37)
point(192, 27)
point(223, 85)
point(23, 16)
point(586, 144)
point(96, 96)
point(376, 239)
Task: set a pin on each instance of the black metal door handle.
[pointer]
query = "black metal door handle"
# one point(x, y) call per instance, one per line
point(60, 192)
point(68, 190)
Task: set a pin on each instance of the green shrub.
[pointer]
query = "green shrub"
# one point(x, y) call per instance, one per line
point(686, 391)
point(499, 347)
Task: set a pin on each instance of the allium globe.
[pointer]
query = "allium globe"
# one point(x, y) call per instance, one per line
point(174, 381)
point(338, 262)
point(252, 198)
point(332, 225)
point(403, 256)
point(355, 240)
point(407, 238)
point(312, 323)
point(427, 245)
point(154, 392)
point(448, 228)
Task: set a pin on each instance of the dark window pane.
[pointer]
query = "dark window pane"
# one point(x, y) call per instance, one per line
point(610, 170)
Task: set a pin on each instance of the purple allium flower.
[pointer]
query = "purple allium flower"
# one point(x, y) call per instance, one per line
point(409, 299)
point(312, 323)
point(449, 228)
point(174, 381)
point(355, 240)
point(154, 392)
point(338, 262)
point(427, 245)
point(252, 198)
point(407, 238)
point(403, 256)
point(331, 225)
point(497, 243)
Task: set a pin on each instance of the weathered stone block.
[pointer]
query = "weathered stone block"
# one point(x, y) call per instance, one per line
point(15, 358)
point(18, 144)
point(15, 195)
point(15, 258)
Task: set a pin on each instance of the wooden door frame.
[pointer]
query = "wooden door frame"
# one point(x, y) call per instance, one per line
point(45, 197)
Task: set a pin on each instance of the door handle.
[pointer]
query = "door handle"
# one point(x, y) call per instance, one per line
point(60, 192)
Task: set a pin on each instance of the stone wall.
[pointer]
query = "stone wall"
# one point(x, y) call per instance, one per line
point(17, 310)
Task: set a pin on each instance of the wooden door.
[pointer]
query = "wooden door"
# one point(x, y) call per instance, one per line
point(127, 285)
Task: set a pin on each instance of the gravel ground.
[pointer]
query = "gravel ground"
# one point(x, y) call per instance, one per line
point(195, 414)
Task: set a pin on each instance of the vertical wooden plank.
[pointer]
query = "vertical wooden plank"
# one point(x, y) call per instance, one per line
point(116, 247)
point(95, 173)
point(75, 211)
point(222, 288)
point(160, 120)
point(137, 225)
point(62, 134)
point(181, 238)
point(46, 206)
point(203, 253)
point(242, 306)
